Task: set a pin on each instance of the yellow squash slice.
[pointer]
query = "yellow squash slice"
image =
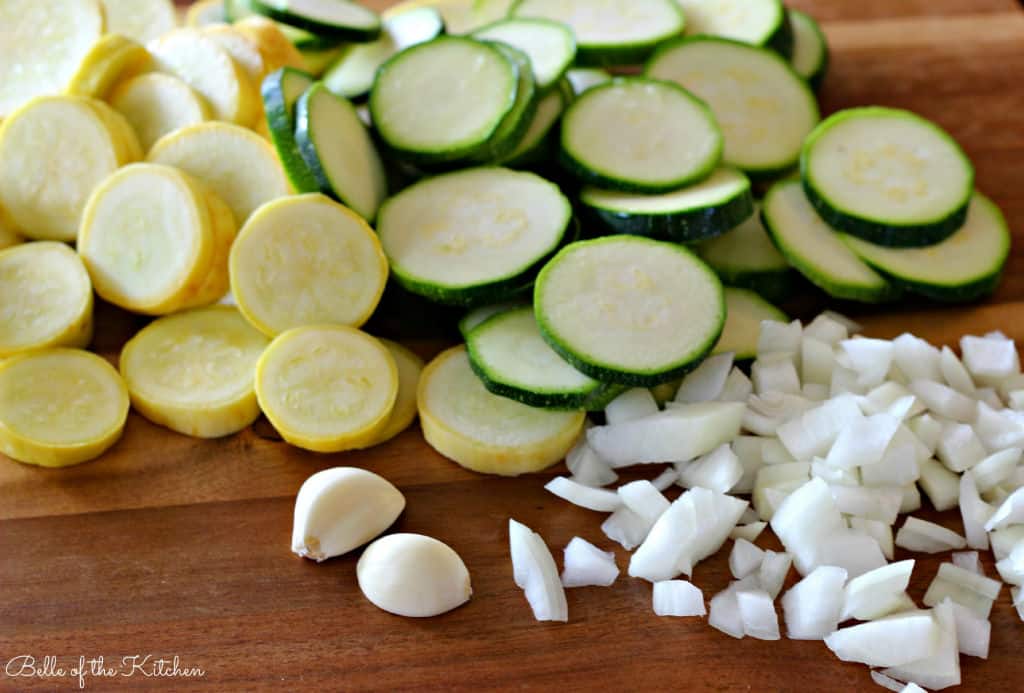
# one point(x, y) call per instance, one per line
point(126, 141)
point(53, 152)
point(277, 50)
point(236, 163)
point(45, 298)
point(8, 235)
point(142, 20)
point(60, 407)
point(327, 388)
point(484, 432)
point(204, 13)
point(306, 260)
point(211, 71)
point(147, 239)
point(243, 48)
point(193, 372)
point(42, 43)
point(156, 104)
point(410, 366)
point(217, 282)
point(111, 59)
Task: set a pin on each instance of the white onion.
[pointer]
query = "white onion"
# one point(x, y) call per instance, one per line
point(720, 470)
point(744, 559)
point(1011, 512)
point(1011, 568)
point(597, 499)
point(996, 469)
point(890, 642)
point(806, 518)
point(757, 612)
point(944, 400)
point(928, 537)
point(707, 381)
point(890, 683)
point(990, 358)
point(894, 399)
point(780, 477)
point(815, 392)
point(990, 397)
point(658, 556)
point(900, 465)
point(941, 669)
point(879, 531)
point(975, 513)
point(588, 468)
point(845, 381)
point(871, 359)
point(586, 565)
point(678, 598)
point(631, 405)
point(779, 338)
point(644, 499)
point(927, 430)
point(817, 362)
point(812, 607)
point(973, 633)
point(831, 328)
point(750, 531)
point(1003, 540)
point(855, 551)
point(626, 528)
point(835, 476)
point(940, 485)
point(666, 479)
point(715, 514)
point(999, 430)
point(775, 373)
point(911, 499)
point(954, 373)
point(812, 434)
point(973, 591)
point(882, 504)
point(773, 571)
point(916, 359)
point(968, 560)
point(536, 574)
point(863, 442)
point(737, 387)
point(724, 613)
point(959, 448)
point(878, 593)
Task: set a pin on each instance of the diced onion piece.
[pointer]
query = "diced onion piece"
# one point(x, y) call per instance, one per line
point(737, 387)
point(912, 498)
point(815, 392)
point(586, 565)
point(916, 359)
point(834, 476)
point(780, 477)
point(900, 464)
point(1011, 568)
point(882, 504)
point(890, 642)
point(805, 518)
point(976, 592)
point(855, 551)
point(941, 669)
point(817, 361)
point(719, 470)
point(878, 593)
point(587, 467)
point(775, 373)
point(536, 574)
point(871, 359)
point(773, 571)
point(644, 499)
point(959, 448)
point(1000, 429)
point(779, 338)
point(990, 358)
point(814, 432)
point(750, 531)
point(631, 405)
point(863, 442)
point(596, 499)
point(744, 559)
point(927, 430)
point(975, 513)
point(944, 401)
point(879, 531)
point(973, 633)
point(1004, 540)
point(678, 598)
point(1011, 512)
point(758, 614)
point(724, 614)
point(890, 683)
point(995, 469)
point(715, 515)
point(658, 556)
point(940, 485)
point(954, 373)
point(626, 528)
point(666, 479)
point(969, 561)
point(928, 537)
point(829, 328)
point(812, 607)
point(706, 382)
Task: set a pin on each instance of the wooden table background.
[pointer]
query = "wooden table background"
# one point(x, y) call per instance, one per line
point(172, 546)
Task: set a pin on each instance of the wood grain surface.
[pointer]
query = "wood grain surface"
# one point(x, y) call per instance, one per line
point(169, 546)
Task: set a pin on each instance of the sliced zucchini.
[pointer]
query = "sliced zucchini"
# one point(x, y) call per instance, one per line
point(484, 432)
point(757, 22)
point(550, 46)
point(429, 109)
point(629, 310)
point(336, 146)
point(339, 19)
point(317, 61)
point(533, 145)
point(964, 267)
point(236, 163)
point(613, 32)
point(816, 251)
point(517, 121)
point(353, 74)
point(512, 359)
point(193, 372)
point(44, 42)
point(763, 107)
point(474, 236)
point(460, 16)
point(47, 298)
point(156, 104)
point(306, 260)
point(583, 78)
point(281, 92)
point(141, 20)
point(664, 137)
point(60, 407)
point(810, 48)
point(710, 208)
point(745, 311)
point(746, 258)
point(327, 388)
point(410, 367)
point(887, 176)
point(238, 10)
point(478, 316)
point(53, 152)
point(113, 58)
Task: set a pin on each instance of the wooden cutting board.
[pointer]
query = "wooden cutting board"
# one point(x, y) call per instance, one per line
point(169, 546)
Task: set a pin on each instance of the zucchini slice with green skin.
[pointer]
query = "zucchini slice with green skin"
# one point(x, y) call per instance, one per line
point(629, 310)
point(339, 151)
point(473, 237)
point(550, 46)
point(428, 109)
point(708, 209)
point(640, 135)
point(887, 176)
point(513, 128)
point(236, 10)
point(745, 311)
point(583, 78)
point(757, 22)
point(339, 19)
point(478, 316)
point(281, 92)
point(764, 108)
point(815, 250)
point(352, 74)
point(746, 258)
point(964, 267)
point(532, 146)
point(512, 359)
point(614, 32)
point(810, 48)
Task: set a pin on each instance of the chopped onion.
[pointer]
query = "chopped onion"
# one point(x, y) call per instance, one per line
point(863, 442)
point(774, 569)
point(976, 592)
point(990, 358)
point(871, 359)
point(779, 338)
point(995, 469)
point(812, 607)
point(737, 387)
point(749, 450)
point(990, 397)
point(890, 684)
point(892, 398)
point(644, 499)
point(678, 598)
point(815, 392)
point(954, 373)
point(959, 448)
point(927, 430)
point(879, 531)
point(973, 633)
point(782, 478)
point(750, 531)
point(835, 476)
point(817, 362)
point(999, 430)
point(806, 518)
point(975, 513)
point(666, 479)
point(716, 515)
point(940, 485)
point(758, 614)
point(719, 470)
point(724, 613)
point(941, 669)
point(944, 401)
point(829, 329)
point(901, 463)
point(889, 642)
point(845, 381)
point(916, 359)
point(631, 405)
point(1011, 512)
point(968, 560)
point(1003, 540)
point(855, 551)
point(878, 593)
point(911, 498)
point(536, 574)
point(586, 565)
point(775, 373)
point(744, 559)
point(587, 497)
point(814, 432)
point(626, 528)
point(928, 537)
point(1011, 568)
point(882, 504)
point(657, 558)
point(707, 381)
point(588, 468)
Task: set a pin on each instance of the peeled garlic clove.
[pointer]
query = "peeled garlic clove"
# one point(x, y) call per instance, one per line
point(413, 575)
point(340, 509)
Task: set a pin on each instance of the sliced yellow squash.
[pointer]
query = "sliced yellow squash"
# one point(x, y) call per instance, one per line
point(236, 163)
point(242, 48)
point(53, 152)
point(410, 366)
point(205, 12)
point(217, 282)
point(306, 260)
point(327, 388)
point(156, 104)
point(60, 407)
point(211, 71)
point(193, 372)
point(142, 20)
point(45, 298)
point(8, 235)
point(125, 140)
point(147, 239)
point(277, 50)
point(42, 43)
point(111, 59)
point(484, 432)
